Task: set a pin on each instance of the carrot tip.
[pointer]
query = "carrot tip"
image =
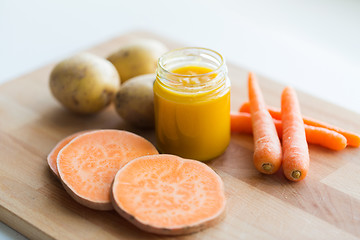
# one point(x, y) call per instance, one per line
point(296, 174)
point(267, 167)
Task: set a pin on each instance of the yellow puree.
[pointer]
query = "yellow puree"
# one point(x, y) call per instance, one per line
point(192, 125)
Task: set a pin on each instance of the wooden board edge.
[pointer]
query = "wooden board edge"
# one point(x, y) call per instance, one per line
point(21, 226)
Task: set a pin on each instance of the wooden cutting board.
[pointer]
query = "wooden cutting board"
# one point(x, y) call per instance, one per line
point(326, 205)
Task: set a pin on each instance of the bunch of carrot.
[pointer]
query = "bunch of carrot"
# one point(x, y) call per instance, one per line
point(268, 124)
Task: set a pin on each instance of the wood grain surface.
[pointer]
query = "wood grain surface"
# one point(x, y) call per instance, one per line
point(326, 205)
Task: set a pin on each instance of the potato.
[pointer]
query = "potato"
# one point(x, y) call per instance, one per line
point(134, 102)
point(84, 83)
point(137, 58)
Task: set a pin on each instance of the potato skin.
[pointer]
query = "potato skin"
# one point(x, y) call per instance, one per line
point(134, 101)
point(84, 83)
point(137, 58)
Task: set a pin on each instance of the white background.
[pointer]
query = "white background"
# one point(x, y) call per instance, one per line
point(313, 45)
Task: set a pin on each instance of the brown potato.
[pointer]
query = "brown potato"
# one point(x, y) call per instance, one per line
point(134, 102)
point(137, 58)
point(84, 83)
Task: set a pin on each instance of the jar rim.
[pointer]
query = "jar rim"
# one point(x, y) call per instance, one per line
point(167, 71)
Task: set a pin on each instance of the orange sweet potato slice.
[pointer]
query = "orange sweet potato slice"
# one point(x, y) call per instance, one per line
point(51, 158)
point(166, 194)
point(88, 164)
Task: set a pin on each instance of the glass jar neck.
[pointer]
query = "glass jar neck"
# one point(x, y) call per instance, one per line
point(192, 57)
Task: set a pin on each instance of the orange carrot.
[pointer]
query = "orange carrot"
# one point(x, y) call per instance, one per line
point(274, 112)
point(267, 147)
point(325, 137)
point(166, 194)
point(241, 123)
point(295, 149)
point(353, 139)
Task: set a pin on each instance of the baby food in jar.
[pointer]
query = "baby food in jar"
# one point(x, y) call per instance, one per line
point(192, 104)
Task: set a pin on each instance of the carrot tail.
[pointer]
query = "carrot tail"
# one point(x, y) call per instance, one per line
point(352, 139)
point(325, 137)
point(241, 123)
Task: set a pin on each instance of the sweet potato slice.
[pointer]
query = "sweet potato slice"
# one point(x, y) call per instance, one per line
point(87, 165)
point(51, 158)
point(166, 194)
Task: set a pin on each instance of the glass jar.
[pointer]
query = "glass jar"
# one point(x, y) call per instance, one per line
point(192, 104)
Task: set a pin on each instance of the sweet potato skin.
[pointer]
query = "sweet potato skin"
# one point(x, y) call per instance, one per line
point(167, 231)
point(102, 206)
